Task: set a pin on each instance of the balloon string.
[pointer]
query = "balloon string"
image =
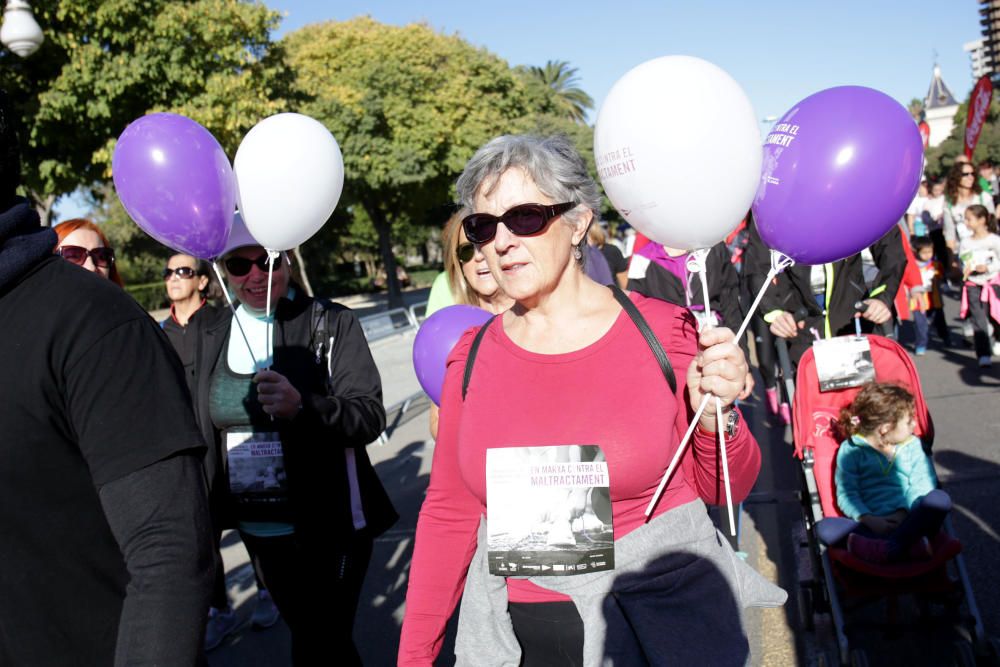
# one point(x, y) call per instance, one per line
point(232, 308)
point(709, 323)
point(779, 262)
point(270, 324)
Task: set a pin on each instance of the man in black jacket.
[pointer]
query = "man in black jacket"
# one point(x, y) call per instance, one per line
point(290, 412)
point(106, 547)
point(806, 301)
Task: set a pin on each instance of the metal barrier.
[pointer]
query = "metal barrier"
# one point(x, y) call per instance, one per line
point(388, 323)
point(384, 325)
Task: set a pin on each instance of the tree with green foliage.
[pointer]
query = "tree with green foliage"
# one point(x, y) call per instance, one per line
point(105, 63)
point(562, 80)
point(409, 107)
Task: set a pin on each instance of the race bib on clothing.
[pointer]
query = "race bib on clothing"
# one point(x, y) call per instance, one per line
point(548, 511)
point(256, 466)
point(844, 361)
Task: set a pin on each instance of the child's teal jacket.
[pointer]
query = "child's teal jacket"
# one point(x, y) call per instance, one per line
point(869, 483)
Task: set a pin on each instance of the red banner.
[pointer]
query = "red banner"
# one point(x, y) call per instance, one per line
point(925, 132)
point(979, 106)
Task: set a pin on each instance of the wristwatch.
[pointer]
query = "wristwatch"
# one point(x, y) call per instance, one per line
point(732, 423)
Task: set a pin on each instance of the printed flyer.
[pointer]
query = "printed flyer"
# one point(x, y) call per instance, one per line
point(548, 510)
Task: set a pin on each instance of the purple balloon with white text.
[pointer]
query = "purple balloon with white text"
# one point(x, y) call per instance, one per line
point(176, 183)
point(840, 169)
point(435, 340)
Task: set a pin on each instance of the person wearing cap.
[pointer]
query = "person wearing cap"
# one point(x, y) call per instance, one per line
point(289, 395)
point(106, 545)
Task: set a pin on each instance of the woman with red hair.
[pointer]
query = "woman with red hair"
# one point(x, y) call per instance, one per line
point(83, 243)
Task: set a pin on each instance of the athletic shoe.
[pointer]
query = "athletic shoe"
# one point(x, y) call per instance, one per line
point(868, 548)
point(265, 614)
point(771, 395)
point(921, 351)
point(221, 624)
point(786, 413)
point(985, 362)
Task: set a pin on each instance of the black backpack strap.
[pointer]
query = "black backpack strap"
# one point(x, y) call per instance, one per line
point(647, 333)
point(471, 359)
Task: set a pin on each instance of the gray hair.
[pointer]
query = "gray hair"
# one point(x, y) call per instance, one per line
point(553, 163)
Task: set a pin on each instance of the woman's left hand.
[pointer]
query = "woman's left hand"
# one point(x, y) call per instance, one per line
point(277, 396)
point(719, 368)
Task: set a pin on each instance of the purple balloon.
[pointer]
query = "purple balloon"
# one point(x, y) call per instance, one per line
point(840, 169)
point(437, 336)
point(176, 183)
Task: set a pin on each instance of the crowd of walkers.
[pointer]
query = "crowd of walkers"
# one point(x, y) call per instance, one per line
point(131, 445)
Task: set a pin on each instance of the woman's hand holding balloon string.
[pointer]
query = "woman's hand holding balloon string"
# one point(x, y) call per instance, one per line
point(277, 396)
point(718, 369)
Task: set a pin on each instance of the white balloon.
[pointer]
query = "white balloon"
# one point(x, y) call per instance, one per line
point(289, 176)
point(678, 151)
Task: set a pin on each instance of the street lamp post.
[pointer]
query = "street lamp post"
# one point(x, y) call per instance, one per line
point(20, 32)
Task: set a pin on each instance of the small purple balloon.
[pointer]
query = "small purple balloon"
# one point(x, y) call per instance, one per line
point(840, 169)
point(176, 183)
point(433, 343)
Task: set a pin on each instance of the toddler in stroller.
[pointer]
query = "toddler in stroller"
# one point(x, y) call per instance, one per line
point(885, 483)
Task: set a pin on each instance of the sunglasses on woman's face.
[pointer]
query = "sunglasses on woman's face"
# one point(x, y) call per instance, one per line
point(102, 257)
point(182, 272)
point(523, 220)
point(466, 252)
point(968, 173)
point(240, 266)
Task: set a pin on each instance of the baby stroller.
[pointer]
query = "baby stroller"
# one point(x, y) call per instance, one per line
point(841, 581)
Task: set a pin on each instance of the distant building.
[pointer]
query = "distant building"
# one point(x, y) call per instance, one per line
point(939, 109)
point(977, 58)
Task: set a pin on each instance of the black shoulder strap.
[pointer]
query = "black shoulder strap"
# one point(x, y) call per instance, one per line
point(472, 355)
point(630, 310)
point(647, 333)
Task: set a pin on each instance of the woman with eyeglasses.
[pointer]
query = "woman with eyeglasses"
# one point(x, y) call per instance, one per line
point(290, 413)
point(540, 376)
point(961, 190)
point(469, 280)
point(82, 242)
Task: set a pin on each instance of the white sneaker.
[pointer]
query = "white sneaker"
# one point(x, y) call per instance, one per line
point(985, 362)
point(221, 624)
point(265, 614)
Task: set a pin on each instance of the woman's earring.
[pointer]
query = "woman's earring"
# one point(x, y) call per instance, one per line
point(577, 253)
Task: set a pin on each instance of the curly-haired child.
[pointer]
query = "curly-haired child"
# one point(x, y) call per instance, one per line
point(886, 486)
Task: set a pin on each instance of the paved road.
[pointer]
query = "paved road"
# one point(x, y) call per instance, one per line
point(963, 402)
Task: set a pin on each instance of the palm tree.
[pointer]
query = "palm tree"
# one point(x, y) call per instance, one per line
point(562, 79)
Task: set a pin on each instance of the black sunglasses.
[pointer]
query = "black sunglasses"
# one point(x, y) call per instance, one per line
point(523, 220)
point(240, 266)
point(103, 257)
point(183, 272)
point(968, 173)
point(466, 252)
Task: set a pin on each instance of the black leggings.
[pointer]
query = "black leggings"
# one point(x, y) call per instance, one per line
point(550, 633)
point(316, 590)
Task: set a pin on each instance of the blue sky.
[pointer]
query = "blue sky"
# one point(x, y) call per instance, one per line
point(779, 51)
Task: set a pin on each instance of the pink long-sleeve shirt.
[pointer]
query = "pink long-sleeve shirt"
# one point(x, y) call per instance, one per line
point(611, 393)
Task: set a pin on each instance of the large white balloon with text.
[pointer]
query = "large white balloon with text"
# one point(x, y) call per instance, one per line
point(289, 177)
point(678, 151)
